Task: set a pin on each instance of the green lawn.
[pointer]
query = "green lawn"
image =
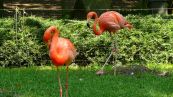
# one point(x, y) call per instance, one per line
point(42, 82)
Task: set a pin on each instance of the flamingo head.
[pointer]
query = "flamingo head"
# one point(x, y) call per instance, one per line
point(91, 15)
point(47, 37)
point(128, 25)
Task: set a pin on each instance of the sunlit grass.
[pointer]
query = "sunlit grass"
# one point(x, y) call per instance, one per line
point(161, 67)
point(42, 82)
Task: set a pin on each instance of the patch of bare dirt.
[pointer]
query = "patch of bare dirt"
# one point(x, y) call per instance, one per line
point(133, 70)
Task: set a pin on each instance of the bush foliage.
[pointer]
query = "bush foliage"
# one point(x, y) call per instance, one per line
point(151, 40)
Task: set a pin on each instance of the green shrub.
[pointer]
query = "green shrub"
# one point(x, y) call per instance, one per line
point(151, 40)
point(23, 48)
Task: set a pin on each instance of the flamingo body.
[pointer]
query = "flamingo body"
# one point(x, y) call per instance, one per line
point(61, 50)
point(110, 21)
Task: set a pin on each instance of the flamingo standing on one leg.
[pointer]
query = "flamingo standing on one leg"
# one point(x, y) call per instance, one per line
point(110, 21)
point(61, 51)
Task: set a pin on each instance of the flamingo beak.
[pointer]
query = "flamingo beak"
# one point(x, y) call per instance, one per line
point(88, 25)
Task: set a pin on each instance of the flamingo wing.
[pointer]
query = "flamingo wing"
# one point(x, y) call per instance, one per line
point(112, 27)
point(109, 22)
point(64, 52)
point(121, 20)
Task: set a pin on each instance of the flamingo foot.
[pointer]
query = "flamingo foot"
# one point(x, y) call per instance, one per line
point(100, 72)
point(114, 50)
point(60, 92)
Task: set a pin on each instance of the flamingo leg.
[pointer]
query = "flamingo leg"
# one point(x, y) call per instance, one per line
point(107, 60)
point(66, 81)
point(59, 82)
point(113, 52)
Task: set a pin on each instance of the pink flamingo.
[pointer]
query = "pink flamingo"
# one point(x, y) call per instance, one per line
point(61, 52)
point(110, 21)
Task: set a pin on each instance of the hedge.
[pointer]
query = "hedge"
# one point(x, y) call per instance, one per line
point(151, 40)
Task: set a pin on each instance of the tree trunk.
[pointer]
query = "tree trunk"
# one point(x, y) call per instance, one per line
point(159, 6)
point(170, 6)
point(1, 4)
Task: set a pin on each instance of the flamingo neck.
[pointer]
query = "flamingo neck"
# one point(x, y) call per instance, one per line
point(92, 15)
point(55, 38)
point(50, 33)
point(100, 30)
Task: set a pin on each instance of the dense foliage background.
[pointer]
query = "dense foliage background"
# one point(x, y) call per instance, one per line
point(151, 40)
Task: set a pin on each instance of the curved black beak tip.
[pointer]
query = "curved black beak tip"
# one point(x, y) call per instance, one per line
point(88, 25)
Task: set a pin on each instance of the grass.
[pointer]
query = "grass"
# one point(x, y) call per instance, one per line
point(42, 82)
